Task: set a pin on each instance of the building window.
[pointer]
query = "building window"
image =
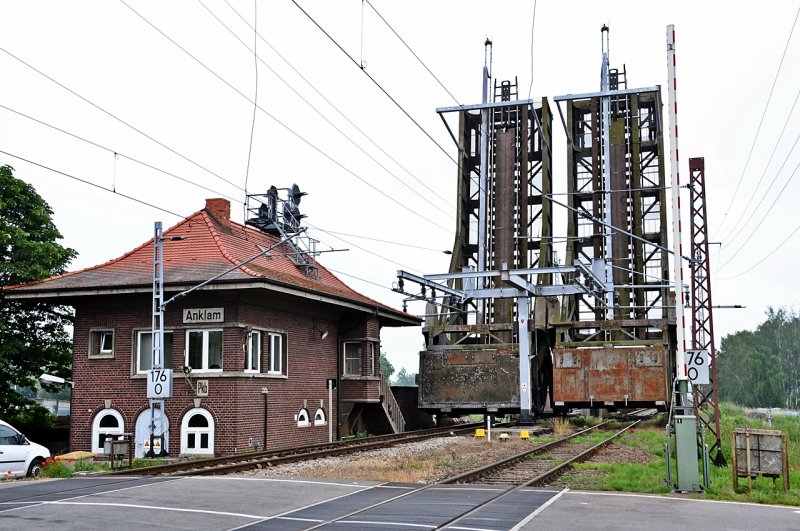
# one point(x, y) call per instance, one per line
point(101, 344)
point(252, 362)
point(204, 350)
point(197, 432)
point(277, 354)
point(372, 359)
point(144, 351)
point(107, 423)
point(352, 358)
point(302, 418)
point(319, 417)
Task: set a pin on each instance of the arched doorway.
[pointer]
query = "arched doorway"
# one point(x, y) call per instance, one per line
point(161, 426)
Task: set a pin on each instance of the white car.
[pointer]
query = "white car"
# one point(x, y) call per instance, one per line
point(19, 457)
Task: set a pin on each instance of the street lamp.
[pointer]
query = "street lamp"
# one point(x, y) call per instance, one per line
point(49, 379)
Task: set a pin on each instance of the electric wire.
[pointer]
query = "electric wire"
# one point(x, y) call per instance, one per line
point(385, 259)
point(84, 181)
point(735, 233)
point(117, 153)
point(255, 95)
point(533, 25)
point(763, 218)
point(281, 123)
point(413, 53)
point(120, 120)
point(767, 256)
point(402, 109)
point(410, 245)
point(763, 115)
point(322, 115)
point(342, 114)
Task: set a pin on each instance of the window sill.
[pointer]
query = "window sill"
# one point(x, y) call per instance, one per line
point(217, 374)
point(105, 356)
point(360, 378)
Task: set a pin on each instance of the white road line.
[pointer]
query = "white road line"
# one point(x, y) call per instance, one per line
point(541, 508)
point(472, 528)
point(370, 522)
point(284, 514)
point(657, 497)
point(312, 520)
point(280, 480)
point(156, 508)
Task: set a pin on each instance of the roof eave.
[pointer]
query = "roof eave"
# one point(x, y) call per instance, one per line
point(388, 316)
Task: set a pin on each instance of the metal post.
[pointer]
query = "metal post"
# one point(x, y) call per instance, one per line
point(675, 183)
point(482, 185)
point(523, 312)
point(607, 234)
point(265, 392)
point(330, 410)
point(157, 329)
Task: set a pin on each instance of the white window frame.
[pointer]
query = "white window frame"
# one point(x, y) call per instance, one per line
point(185, 431)
point(344, 355)
point(205, 331)
point(119, 430)
point(97, 337)
point(253, 363)
point(149, 353)
point(319, 417)
point(372, 359)
point(277, 364)
point(303, 419)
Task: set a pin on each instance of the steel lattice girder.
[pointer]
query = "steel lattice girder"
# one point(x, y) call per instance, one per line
point(702, 316)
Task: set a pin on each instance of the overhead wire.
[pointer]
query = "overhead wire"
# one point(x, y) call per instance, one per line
point(84, 181)
point(413, 53)
point(763, 218)
point(393, 100)
point(767, 256)
point(281, 123)
point(117, 153)
point(763, 115)
point(322, 115)
point(118, 119)
point(410, 245)
point(369, 138)
point(255, 95)
point(733, 234)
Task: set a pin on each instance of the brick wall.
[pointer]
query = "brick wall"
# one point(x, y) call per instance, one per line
point(235, 399)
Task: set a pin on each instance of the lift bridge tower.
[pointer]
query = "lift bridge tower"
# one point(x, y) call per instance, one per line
point(510, 330)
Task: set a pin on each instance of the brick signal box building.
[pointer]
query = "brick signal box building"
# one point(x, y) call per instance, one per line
point(251, 352)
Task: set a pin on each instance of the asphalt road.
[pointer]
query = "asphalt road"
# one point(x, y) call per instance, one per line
point(292, 504)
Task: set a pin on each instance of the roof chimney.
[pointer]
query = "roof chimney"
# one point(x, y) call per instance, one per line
point(220, 209)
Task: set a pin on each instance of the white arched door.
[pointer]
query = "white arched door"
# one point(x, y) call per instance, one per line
point(107, 422)
point(197, 432)
point(161, 426)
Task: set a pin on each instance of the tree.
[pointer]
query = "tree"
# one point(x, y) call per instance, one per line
point(387, 369)
point(406, 378)
point(33, 338)
point(761, 368)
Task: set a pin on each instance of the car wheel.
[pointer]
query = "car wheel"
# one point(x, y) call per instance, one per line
point(35, 470)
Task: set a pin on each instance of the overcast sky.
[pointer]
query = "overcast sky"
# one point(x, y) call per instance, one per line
point(375, 174)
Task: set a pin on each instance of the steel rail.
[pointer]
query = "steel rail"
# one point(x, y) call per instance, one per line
point(238, 462)
point(540, 478)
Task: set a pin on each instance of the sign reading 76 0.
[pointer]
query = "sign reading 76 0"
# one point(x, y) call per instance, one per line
point(697, 366)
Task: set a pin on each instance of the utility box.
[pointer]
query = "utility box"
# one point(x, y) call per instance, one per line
point(686, 453)
point(759, 453)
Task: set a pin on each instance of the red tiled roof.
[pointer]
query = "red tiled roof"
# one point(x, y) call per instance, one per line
point(212, 244)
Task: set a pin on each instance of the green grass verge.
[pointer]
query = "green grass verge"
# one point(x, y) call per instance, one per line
point(650, 477)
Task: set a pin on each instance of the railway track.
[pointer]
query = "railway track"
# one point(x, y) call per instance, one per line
point(265, 459)
point(540, 464)
point(515, 472)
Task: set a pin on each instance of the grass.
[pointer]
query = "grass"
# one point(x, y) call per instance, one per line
point(649, 477)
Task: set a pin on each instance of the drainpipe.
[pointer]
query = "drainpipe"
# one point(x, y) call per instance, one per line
point(265, 392)
point(338, 386)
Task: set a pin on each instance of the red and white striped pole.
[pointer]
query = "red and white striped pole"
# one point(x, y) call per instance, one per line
point(680, 351)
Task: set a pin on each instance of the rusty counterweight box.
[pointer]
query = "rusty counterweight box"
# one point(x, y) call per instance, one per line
point(607, 376)
point(469, 380)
